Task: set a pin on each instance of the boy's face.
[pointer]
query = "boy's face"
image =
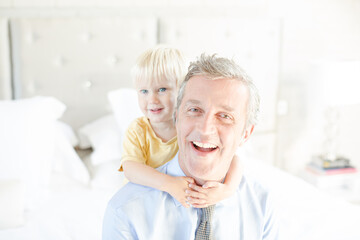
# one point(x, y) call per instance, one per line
point(157, 100)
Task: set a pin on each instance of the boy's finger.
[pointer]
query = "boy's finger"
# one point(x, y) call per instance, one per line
point(189, 179)
point(211, 184)
point(200, 205)
point(197, 188)
point(196, 201)
point(194, 194)
point(186, 204)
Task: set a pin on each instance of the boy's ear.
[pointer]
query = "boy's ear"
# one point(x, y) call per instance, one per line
point(247, 133)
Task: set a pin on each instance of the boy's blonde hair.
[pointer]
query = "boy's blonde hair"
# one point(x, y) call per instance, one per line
point(158, 63)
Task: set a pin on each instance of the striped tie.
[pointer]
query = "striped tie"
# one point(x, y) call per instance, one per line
point(203, 232)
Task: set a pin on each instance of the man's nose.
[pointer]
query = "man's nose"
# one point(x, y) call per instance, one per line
point(207, 125)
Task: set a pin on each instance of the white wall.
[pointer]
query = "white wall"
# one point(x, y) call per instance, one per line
point(311, 30)
point(5, 72)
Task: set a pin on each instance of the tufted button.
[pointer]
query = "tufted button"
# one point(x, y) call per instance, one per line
point(31, 87)
point(31, 37)
point(87, 84)
point(178, 34)
point(59, 61)
point(227, 34)
point(140, 35)
point(113, 60)
point(143, 35)
point(249, 55)
point(87, 37)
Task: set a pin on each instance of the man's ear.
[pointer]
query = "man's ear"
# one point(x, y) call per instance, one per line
point(247, 133)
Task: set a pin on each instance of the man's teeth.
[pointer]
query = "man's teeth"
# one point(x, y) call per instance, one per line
point(204, 145)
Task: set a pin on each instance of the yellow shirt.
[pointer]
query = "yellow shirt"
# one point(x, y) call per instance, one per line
point(142, 145)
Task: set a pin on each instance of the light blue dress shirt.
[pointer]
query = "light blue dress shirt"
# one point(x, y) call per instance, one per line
point(138, 212)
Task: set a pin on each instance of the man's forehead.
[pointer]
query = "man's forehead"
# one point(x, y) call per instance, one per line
point(226, 106)
point(200, 87)
point(228, 95)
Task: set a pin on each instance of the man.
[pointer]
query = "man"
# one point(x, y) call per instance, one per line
point(216, 112)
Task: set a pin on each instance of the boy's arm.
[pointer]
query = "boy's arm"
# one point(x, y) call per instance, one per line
point(212, 192)
point(145, 175)
point(135, 170)
point(234, 175)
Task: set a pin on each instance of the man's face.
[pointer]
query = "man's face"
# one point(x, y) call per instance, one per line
point(210, 126)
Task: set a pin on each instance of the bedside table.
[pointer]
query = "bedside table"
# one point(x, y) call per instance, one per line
point(345, 186)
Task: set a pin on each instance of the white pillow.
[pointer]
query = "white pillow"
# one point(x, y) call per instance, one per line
point(11, 203)
point(66, 159)
point(106, 175)
point(68, 132)
point(33, 144)
point(27, 142)
point(103, 135)
point(124, 104)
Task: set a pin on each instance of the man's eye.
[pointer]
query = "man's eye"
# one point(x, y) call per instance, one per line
point(225, 116)
point(193, 110)
point(143, 91)
point(162, 89)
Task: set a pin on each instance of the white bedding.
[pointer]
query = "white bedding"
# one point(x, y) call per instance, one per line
point(71, 211)
point(72, 202)
point(74, 211)
point(305, 213)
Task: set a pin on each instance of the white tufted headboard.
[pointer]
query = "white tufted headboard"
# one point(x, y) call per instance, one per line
point(5, 70)
point(80, 59)
point(252, 43)
point(77, 60)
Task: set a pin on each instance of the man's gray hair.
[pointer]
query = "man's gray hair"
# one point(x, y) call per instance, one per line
point(214, 67)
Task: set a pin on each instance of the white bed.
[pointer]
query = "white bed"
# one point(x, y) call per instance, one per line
point(67, 97)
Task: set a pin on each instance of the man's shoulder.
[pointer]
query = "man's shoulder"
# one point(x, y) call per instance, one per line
point(254, 188)
point(136, 193)
point(131, 193)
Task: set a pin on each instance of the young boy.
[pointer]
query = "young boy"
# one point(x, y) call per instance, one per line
point(151, 140)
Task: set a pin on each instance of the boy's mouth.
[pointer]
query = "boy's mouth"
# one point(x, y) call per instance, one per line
point(204, 147)
point(156, 110)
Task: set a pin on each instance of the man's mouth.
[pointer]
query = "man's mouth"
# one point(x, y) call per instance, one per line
point(204, 147)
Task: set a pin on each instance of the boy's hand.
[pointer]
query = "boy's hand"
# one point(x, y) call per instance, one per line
point(177, 186)
point(210, 193)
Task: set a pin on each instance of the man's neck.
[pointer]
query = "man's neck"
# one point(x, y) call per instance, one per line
point(198, 181)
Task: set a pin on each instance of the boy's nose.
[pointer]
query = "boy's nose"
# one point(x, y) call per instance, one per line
point(153, 98)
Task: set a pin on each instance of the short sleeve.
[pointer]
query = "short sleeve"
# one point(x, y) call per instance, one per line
point(134, 145)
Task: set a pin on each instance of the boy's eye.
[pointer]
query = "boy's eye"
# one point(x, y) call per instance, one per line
point(162, 89)
point(193, 110)
point(143, 91)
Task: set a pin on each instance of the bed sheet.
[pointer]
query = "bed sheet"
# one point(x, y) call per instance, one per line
point(71, 211)
point(305, 213)
point(75, 211)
